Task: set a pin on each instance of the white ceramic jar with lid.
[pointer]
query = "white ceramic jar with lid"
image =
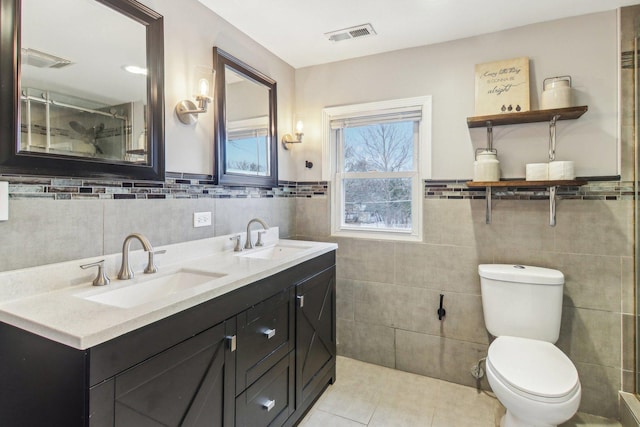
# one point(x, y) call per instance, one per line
point(556, 93)
point(486, 168)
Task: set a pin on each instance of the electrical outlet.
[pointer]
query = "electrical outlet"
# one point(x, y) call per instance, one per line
point(201, 219)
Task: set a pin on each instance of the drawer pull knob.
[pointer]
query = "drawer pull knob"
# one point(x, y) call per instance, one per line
point(270, 333)
point(269, 405)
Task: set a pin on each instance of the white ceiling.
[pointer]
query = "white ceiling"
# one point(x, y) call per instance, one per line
point(294, 29)
point(97, 52)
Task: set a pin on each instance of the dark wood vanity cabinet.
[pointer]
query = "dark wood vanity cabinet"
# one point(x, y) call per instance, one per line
point(258, 356)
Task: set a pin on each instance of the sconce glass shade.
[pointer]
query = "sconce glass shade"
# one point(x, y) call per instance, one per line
point(186, 110)
point(203, 87)
point(288, 138)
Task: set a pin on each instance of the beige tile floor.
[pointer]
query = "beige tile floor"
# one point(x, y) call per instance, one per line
point(375, 396)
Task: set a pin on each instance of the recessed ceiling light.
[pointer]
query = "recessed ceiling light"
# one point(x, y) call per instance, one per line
point(133, 69)
point(41, 59)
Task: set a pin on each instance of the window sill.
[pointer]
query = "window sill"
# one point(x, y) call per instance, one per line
point(377, 235)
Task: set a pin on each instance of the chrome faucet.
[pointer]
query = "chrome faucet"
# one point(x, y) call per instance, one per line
point(248, 244)
point(125, 270)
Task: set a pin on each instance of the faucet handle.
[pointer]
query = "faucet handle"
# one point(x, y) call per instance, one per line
point(102, 278)
point(238, 239)
point(151, 266)
point(259, 242)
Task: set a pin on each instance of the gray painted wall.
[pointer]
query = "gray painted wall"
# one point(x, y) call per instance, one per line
point(191, 31)
point(584, 47)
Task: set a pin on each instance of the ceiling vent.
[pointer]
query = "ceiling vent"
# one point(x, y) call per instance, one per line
point(363, 30)
point(42, 60)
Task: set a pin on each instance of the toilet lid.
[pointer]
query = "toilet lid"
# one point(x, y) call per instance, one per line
point(537, 368)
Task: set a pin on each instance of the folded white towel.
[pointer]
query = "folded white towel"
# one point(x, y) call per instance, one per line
point(537, 172)
point(561, 170)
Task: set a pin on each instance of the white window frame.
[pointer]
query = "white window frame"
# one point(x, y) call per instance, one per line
point(422, 153)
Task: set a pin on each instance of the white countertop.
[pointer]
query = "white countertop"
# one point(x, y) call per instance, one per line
point(51, 300)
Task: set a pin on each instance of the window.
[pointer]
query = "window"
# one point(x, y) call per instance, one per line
point(378, 157)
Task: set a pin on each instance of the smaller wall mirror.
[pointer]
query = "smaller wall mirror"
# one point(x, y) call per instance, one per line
point(246, 149)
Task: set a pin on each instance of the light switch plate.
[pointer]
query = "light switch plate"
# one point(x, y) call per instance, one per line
point(4, 200)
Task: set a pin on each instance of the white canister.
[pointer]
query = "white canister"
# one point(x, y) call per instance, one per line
point(556, 93)
point(486, 168)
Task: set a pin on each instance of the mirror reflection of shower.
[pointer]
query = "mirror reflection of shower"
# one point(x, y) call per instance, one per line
point(60, 124)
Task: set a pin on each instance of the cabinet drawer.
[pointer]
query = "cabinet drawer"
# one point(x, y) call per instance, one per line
point(269, 401)
point(264, 337)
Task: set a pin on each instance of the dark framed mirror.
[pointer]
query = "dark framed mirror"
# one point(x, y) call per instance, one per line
point(81, 89)
point(246, 142)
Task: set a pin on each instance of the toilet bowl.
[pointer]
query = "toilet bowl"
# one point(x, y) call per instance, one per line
point(534, 380)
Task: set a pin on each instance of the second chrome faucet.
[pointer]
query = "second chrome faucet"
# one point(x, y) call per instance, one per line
point(125, 270)
point(249, 244)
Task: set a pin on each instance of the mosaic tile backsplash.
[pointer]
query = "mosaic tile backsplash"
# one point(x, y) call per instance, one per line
point(192, 186)
point(593, 190)
point(175, 186)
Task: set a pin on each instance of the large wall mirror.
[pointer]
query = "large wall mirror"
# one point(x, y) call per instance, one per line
point(81, 89)
point(246, 149)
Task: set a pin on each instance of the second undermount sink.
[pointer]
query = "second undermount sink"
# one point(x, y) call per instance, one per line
point(276, 251)
point(143, 291)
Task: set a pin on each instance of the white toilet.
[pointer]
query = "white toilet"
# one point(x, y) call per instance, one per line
point(534, 380)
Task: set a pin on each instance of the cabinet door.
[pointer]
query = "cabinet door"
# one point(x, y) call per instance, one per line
point(188, 385)
point(315, 333)
point(101, 404)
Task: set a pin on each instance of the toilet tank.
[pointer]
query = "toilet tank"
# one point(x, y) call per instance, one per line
point(522, 301)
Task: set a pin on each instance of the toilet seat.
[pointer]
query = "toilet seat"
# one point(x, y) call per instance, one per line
point(533, 369)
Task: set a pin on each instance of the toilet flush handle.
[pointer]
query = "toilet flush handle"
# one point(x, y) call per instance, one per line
point(441, 311)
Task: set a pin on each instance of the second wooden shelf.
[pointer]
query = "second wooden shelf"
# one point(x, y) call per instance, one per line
point(552, 185)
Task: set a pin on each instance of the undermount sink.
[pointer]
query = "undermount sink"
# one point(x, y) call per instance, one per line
point(274, 252)
point(146, 291)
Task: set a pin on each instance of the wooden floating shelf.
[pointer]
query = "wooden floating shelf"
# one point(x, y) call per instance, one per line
point(523, 183)
point(536, 116)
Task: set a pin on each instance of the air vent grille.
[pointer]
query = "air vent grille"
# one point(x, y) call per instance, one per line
point(363, 30)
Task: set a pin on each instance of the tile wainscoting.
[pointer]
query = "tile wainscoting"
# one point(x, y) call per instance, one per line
point(61, 219)
point(388, 292)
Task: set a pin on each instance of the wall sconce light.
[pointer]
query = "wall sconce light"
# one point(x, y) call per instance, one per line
point(186, 110)
point(288, 139)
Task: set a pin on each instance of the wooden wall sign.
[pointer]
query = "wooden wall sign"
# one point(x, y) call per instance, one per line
point(502, 87)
